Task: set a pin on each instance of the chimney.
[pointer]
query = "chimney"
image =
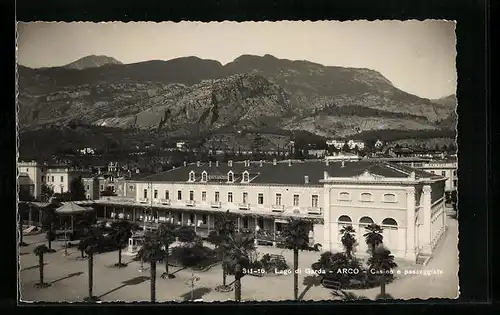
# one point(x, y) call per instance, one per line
point(261, 163)
point(289, 162)
point(327, 162)
point(216, 163)
point(274, 161)
point(209, 163)
point(230, 163)
point(198, 163)
point(306, 179)
point(185, 163)
point(343, 163)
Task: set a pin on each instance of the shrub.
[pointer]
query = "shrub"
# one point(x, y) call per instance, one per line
point(335, 265)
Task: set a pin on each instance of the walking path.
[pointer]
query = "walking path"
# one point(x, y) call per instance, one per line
point(69, 278)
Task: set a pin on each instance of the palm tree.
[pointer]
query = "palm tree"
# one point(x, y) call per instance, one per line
point(224, 226)
point(122, 232)
point(167, 234)
point(373, 236)
point(152, 252)
point(91, 243)
point(238, 248)
point(348, 239)
point(40, 251)
point(296, 234)
point(48, 221)
point(382, 262)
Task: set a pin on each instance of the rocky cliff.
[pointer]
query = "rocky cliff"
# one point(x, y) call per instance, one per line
point(187, 96)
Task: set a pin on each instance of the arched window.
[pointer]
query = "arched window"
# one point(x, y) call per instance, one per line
point(344, 220)
point(365, 221)
point(389, 223)
point(245, 178)
point(366, 197)
point(391, 198)
point(230, 177)
point(204, 176)
point(344, 196)
point(191, 176)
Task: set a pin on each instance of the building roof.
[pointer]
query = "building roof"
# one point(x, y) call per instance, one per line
point(283, 173)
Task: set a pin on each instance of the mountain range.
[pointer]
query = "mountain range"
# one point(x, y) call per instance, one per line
point(192, 96)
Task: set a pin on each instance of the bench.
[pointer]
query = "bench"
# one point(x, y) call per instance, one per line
point(331, 284)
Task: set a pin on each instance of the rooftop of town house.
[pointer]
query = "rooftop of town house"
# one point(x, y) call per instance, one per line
point(284, 172)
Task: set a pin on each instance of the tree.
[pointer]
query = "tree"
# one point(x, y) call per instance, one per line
point(40, 251)
point(296, 234)
point(238, 248)
point(224, 226)
point(373, 236)
point(92, 241)
point(76, 188)
point(46, 192)
point(382, 263)
point(167, 234)
point(122, 232)
point(152, 252)
point(348, 239)
point(49, 218)
point(346, 148)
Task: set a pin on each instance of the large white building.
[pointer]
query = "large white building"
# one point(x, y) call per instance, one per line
point(407, 203)
point(58, 177)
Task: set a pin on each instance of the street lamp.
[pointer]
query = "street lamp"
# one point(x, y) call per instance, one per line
point(65, 238)
point(190, 282)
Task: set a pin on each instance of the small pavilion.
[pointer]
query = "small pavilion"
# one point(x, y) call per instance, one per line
point(71, 209)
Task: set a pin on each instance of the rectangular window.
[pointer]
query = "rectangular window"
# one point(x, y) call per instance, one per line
point(52, 178)
point(145, 194)
point(314, 200)
point(203, 196)
point(102, 187)
point(88, 187)
point(179, 217)
point(455, 183)
point(62, 179)
point(191, 195)
point(179, 195)
point(260, 199)
point(204, 219)
point(296, 200)
point(455, 173)
point(167, 195)
point(131, 188)
point(245, 223)
point(61, 189)
point(278, 199)
point(43, 178)
point(443, 173)
point(216, 196)
point(245, 197)
point(229, 197)
point(156, 194)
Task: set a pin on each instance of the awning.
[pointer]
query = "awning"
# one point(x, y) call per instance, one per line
point(72, 208)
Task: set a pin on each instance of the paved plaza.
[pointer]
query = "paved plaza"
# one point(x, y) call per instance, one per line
point(68, 278)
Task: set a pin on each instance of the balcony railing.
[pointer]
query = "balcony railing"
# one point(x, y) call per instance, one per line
point(144, 200)
point(278, 208)
point(244, 206)
point(190, 203)
point(215, 204)
point(165, 202)
point(314, 210)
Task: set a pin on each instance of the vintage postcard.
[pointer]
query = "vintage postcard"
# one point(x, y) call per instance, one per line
point(256, 161)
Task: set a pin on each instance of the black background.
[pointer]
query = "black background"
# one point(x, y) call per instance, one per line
point(478, 181)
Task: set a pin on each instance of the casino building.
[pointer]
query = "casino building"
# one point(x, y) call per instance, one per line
point(407, 203)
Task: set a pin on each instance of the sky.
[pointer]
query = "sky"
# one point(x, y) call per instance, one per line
point(418, 57)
